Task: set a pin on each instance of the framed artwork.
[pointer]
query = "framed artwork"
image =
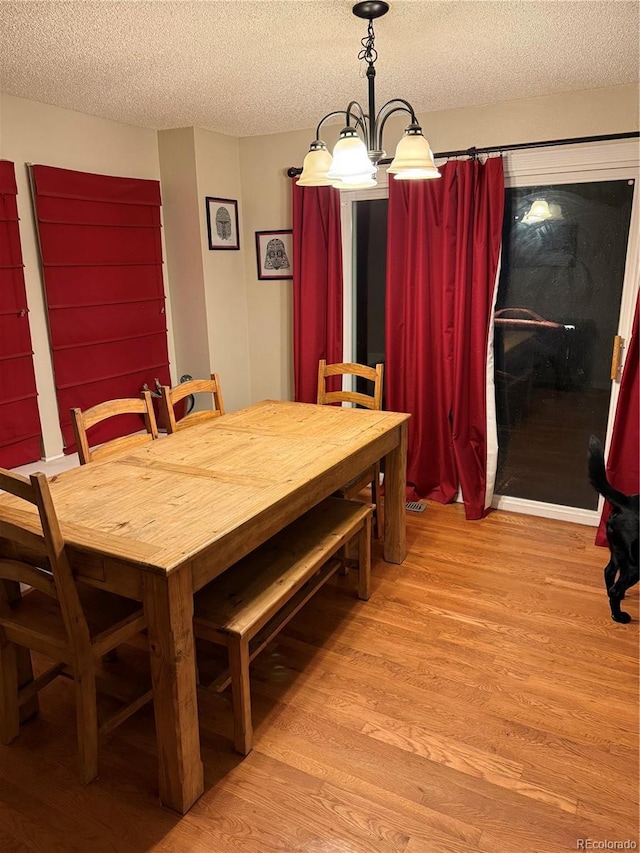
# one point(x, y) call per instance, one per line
point(222, 223)
point(274, 254)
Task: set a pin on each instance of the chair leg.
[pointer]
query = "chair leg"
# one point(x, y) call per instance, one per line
point(376, 494)
point(240, 693)
point(30, 708)
point(87, 723)
point(9, 708)
point(364, 561)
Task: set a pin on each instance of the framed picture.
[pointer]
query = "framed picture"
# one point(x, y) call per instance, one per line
point(222, 223)
point(274, 254)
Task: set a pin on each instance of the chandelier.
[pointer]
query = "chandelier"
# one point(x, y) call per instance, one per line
point(359, 149)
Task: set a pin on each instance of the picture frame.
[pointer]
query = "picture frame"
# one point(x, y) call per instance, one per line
point(222, 223)
point(274, 254)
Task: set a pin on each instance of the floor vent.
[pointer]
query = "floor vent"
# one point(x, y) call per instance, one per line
point(415, 506)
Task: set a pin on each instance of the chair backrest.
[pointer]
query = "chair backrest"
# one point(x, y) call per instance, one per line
point(83, 421)
point(171, 396)
point(373, 374)
point(46, 568)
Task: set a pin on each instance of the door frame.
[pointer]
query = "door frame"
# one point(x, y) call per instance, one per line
point(574, 164)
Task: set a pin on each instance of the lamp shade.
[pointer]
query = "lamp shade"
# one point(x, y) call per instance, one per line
point(315, 166)
point(351, 164)
point(414, 159)
point(356, 182)
point(538, 212)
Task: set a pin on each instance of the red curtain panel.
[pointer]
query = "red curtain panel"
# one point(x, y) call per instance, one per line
point(20, 433)
point(317, 285)
point(443, 250)
point(102, 262)
point(623, 462)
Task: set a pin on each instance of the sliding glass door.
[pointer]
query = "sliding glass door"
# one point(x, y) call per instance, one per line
point(567, 289)
point(557, 316)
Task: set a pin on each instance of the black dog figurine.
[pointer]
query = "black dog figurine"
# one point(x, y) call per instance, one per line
point(621, 572)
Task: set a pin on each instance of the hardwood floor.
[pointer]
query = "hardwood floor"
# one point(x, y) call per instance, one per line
point(481, 700)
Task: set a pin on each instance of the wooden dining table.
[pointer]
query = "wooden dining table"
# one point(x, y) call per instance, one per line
point(158, 523)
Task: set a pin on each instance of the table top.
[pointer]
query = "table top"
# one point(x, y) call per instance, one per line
point(217, 489)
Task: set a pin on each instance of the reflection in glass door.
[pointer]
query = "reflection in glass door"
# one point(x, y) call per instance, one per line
point(557, 312)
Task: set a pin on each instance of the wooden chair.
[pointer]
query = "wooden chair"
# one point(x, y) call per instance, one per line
point(72, 624)
point(83, 421)
point(171, 396)
point(371, 477)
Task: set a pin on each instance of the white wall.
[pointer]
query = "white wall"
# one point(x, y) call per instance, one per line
point(180, 209)
point(218, 175)
point(36, 133)
point(209, 304)
point(266, 206)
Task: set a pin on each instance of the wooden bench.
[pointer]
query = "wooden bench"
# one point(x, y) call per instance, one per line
point(245, 607)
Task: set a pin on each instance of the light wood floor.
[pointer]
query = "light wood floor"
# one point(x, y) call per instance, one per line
point(481, 700)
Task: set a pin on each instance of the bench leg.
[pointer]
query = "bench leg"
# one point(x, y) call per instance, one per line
point(364, 560)
point(240, 693)
point(344, 554)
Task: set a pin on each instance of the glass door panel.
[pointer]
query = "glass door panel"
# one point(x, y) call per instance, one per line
point(370, 245)
point(557, 312)
point(370, 235)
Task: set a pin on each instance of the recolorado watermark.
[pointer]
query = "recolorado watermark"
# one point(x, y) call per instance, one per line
point(605, 844)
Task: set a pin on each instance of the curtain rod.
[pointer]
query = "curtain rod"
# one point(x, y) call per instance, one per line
point(473, 152)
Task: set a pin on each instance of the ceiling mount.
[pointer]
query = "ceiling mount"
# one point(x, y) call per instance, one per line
point(370, 9)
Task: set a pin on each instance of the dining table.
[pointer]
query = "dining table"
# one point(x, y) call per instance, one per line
point(158, 522)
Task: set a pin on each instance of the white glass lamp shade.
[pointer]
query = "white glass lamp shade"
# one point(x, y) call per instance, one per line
point(414, 158)
point(351, 164)
point(315, 166)
point(556, 211)
point(356, 182)
point(538, 212)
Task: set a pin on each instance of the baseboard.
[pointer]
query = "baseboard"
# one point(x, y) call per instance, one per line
point(50, 465)
point(588, 517)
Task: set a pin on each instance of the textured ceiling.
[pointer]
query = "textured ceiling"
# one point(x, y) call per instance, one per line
point(250, 67)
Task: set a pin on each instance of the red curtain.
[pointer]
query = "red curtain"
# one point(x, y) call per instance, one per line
point(20, 433)
point(443, 249)
point(102, 261)
point(623, 463)
point(317, 285)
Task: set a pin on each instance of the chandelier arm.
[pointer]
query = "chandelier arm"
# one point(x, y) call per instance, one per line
point(324, 118)
point(405, 105)
point(360, 121)
point(381, 119)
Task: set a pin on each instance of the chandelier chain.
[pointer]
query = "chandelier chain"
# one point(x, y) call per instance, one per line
point(368, 52)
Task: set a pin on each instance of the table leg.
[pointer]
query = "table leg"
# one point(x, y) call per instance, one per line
point(168, 605)
point(395, 491)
